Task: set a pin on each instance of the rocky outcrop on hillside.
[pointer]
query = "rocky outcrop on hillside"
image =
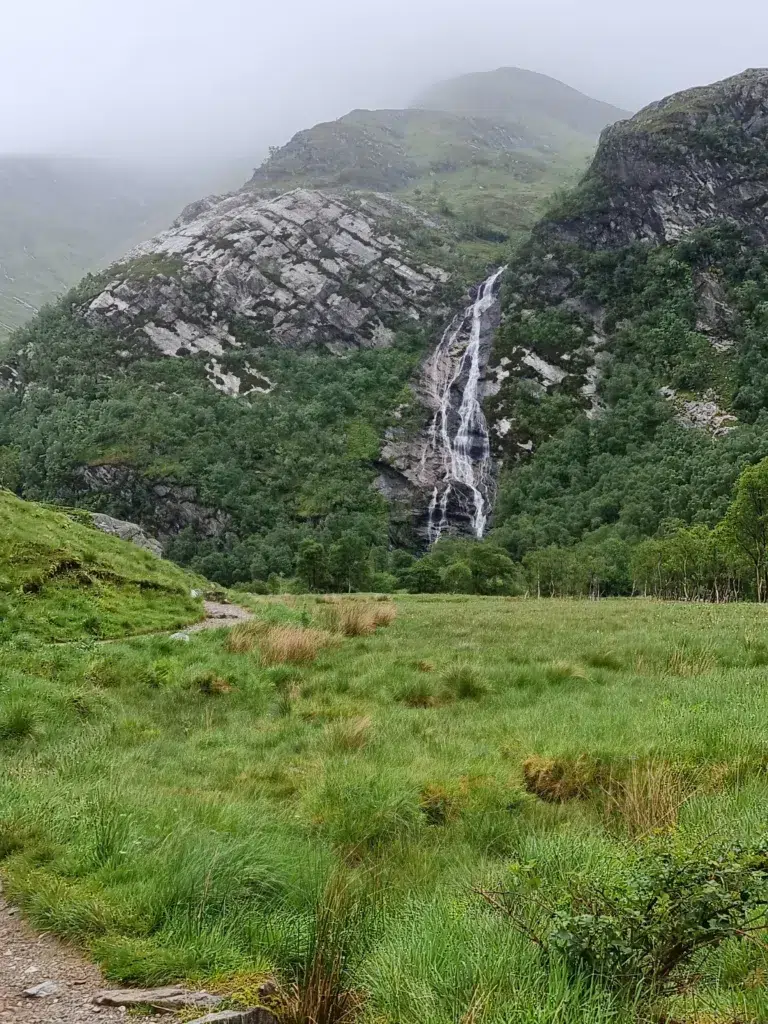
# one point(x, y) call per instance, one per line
point(302, 269)
point(165, 508)
point(126, 531)
point(677, 165)
point(690, 163)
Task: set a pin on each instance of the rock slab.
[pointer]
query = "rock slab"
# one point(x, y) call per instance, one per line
point(257, 1015)
point(169, 997)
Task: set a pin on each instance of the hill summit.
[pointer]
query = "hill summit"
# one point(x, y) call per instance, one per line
point(544, 104)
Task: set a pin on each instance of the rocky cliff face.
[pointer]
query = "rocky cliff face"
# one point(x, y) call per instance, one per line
point(684, 172)
point(301, 269)
point(675, 166)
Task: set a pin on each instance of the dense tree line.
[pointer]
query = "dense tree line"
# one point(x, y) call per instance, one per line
point(631, 501)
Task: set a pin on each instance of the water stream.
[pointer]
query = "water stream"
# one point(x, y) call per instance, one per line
point(458, 437)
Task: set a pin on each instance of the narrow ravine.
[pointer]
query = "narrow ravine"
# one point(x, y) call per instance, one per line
point(457, 438)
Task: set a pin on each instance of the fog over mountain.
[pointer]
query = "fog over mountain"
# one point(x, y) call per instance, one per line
point(179, 80)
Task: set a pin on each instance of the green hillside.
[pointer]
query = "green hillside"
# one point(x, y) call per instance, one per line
point(645, 299)
point(61, 578)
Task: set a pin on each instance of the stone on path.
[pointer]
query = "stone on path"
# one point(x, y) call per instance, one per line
point(256, 1016)
point(170, 997)
point(44, 990)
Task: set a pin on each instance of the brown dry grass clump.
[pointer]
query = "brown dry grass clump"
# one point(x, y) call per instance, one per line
point(648, 797)
point(437, 805)
point(292, 645)
point(244, 637)
point(355, 618)
point(557, 779)
point(384, 613)
point(277, 643)
point(642, 796)
point(350, 733)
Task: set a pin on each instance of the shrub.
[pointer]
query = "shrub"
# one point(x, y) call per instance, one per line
point(646, 929)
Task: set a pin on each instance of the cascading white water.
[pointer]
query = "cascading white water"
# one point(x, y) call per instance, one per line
point(458, 439)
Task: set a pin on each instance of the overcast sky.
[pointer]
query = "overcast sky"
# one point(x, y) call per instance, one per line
point(194, 79)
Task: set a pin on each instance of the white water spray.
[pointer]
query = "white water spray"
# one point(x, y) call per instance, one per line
point(459, 439)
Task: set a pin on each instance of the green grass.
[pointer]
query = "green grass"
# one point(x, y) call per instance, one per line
point(181, 829)
point(62, 579)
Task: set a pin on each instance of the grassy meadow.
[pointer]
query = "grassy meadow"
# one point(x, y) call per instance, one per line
point(345, 800)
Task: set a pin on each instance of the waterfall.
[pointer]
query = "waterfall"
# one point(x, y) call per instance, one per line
point(458, 438)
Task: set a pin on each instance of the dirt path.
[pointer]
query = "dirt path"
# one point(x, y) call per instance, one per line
point(27, 960)
point(219, 616)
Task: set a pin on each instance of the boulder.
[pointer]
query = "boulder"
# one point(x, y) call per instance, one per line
point(127, 531)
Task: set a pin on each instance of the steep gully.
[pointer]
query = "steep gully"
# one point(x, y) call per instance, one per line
point(457, 453)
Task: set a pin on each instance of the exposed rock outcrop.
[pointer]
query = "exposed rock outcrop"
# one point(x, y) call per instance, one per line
point(126, 531)
point(696, 160)
point(679, 164)
point(301, 269)
point(163, 508)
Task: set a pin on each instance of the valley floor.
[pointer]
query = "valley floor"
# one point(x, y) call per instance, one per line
point(200, 810)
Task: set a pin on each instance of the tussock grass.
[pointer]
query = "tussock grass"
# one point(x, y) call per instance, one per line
point(417, 693)
point(244, 637)
point(18, 721)
point(557, 779)
point(648, 797)
point(349, 734)
point(294, 645)
point(462, 682)
point(278, 643)
point(323, 991)
point(354, 617)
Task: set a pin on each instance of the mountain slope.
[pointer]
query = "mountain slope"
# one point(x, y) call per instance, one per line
point(546, 106)
point(61, 578)
point(229, 384)
point(633, 353)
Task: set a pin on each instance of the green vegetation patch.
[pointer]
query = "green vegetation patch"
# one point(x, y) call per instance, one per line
point(61, 579)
